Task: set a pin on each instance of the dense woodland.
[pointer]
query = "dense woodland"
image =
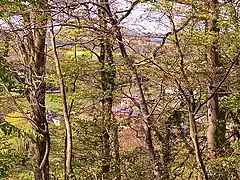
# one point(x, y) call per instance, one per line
point(120, 89)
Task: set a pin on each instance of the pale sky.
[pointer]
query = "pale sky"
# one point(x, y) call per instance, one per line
point(144, 19)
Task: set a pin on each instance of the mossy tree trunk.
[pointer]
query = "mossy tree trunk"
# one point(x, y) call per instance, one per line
point(107, 78)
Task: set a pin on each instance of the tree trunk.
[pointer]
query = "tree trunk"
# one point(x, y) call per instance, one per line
point(36, 93)
point(166, 149)
point(116, 152)
point(40, 145)
point(216, 126)
point(143, 107)
point(193, 135)
point(68, 138)
point(107, 84)
point(108, 74)
point(212, 123)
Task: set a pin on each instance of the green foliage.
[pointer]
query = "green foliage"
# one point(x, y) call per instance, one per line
point(230, 107)
point(57, 151)
point(23, 174)
point(10, 159)
point(88, 146)
point(9, 79)
point(230, 102)
point(224, 168)
point(17, 125)
point(82, 76)
point(54, 102)
point(176, 119)
point(11, 8)
point(135, 165)
point(5, 75)
point(15, 138)
point(11, 130)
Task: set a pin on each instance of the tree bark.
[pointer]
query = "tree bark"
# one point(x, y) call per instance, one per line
point(216, 126)
point(193, 135)
point(117, 153)
point(143, 106)
point(107, 85)
point(166, 149)
point(36, 92)
point(40, 145)
point(68, 138)
point(108, 74)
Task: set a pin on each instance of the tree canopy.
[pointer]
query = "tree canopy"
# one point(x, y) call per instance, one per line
point(119, 89)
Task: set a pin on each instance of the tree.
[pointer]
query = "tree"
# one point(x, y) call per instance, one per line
point(29, 44)
point(68, 139)
point(99, 61)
